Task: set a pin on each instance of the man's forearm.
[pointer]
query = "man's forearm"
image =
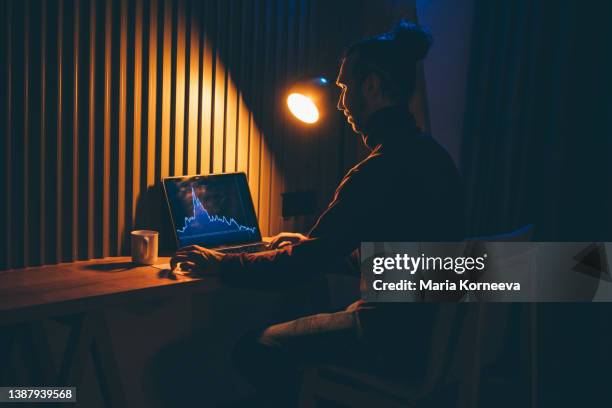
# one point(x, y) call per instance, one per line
point(283, 267)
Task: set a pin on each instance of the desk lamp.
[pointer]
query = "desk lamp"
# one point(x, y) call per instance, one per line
point(309, 100)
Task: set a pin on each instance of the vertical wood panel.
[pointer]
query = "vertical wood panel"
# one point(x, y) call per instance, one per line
point(179, 102)
point(42, 86)
point(7, 27)
point(75, 131)
point(137, 127)
point(166, 89)
point(152, 97)
point(102, 99)
point(277, 142)
point(206, 95)
point(218, 117)
point(194, 90)
point(242, 155)
point(59, 133)
point(218, 153)
point(255, 133)
point(231, 127)
point(17, 144)
point(243, 62)
point(231, 107)
point(92, 134)
point(266, 164)
point(106, 176)
point(122, 132)
point(255, 164)
point(26, 131)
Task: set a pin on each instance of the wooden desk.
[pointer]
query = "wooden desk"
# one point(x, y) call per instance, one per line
point(76, 294)
point(54, 290)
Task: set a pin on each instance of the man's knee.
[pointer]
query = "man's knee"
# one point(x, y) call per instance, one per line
point(252, 350)
point(246, 347)
point(260, 359)
point(275, 336)
point(257, 340)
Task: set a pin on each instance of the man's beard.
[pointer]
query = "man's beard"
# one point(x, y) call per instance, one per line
point(355, 119)
point(358, 127)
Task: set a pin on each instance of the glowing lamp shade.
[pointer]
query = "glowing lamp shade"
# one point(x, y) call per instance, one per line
point(303, 108)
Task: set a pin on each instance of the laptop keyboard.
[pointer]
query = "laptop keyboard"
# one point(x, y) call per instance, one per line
point(246, 248)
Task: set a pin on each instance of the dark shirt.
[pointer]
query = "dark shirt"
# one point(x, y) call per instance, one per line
point(407, 189)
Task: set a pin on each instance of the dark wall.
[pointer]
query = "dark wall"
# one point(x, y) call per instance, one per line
point(446, 68)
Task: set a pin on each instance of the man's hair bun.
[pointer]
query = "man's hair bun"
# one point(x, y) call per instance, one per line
point(393, 56)
point(411, 38)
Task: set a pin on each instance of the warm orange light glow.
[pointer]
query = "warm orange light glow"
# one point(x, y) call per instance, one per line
point(303, 108)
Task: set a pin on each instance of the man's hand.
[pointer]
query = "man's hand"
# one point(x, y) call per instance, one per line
point(197, 259)
point(286, 238)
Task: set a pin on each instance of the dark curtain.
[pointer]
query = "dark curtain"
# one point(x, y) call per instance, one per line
point(538, 122)
point(537, 149)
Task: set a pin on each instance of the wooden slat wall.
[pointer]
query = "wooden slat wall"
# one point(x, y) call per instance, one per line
point(101, 99)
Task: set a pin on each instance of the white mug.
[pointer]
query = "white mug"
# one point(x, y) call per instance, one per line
point(144, 246)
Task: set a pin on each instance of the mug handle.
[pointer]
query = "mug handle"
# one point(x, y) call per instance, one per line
point(145, 250)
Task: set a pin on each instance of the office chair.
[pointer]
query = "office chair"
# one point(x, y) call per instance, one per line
point(465, 338)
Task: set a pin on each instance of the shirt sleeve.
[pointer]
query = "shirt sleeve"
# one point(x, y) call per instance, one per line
point(328, 249)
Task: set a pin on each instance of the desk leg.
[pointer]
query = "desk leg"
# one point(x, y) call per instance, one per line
point(42, 352)
point(89, 334)
point(30, 342)
point(79, 340)
point(8, 337)
point(105, 364)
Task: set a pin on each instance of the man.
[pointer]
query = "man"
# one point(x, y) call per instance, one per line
point(407, 189)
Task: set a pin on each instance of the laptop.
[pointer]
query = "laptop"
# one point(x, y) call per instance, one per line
point(214, 211)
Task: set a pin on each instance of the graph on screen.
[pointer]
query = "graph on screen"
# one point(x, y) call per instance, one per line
point(202, 223)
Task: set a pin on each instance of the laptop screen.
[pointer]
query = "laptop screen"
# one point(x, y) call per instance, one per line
point(212, 210)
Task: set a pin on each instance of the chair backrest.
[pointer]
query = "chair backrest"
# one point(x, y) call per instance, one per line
point(464, 332)
point(450, 321)
point(475, 323)
point(522, 234)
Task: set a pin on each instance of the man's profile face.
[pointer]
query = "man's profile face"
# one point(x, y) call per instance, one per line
point(351, 101)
